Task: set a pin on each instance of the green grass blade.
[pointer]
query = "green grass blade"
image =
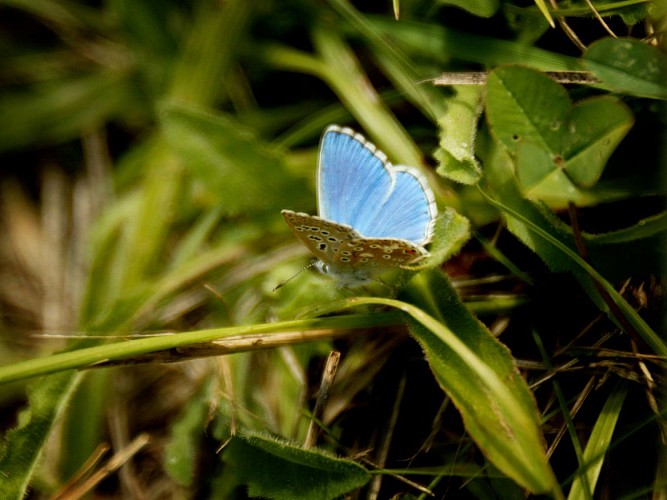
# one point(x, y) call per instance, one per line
point(542, 6)
point(347, 79)
point(440, 42)
point(628, 65)
point(88, 357)
point(395, 62)
point(478, 373)
point(532, 227)
point(599, 442)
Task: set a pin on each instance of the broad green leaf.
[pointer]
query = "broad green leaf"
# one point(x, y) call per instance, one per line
point(541, 178)
point(526, 105)
point(599, 442)
point(532, 115)
point(458, 128)
point(22, 446)
point(235, 167)
point(595, 128)
point(482, 8)
point(630, 66)
point(276, 469)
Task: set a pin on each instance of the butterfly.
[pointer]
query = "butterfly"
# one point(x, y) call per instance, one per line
point(373, 216)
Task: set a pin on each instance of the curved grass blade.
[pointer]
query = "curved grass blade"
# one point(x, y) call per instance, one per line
point(479, 375)
point(537, 230)
point(599, 442)
point(579, 265)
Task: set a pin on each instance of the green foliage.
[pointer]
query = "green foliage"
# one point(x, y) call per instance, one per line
point(22, 446)
point(628, 65)
point(273, 468)
point(553, 242)
point(188, 126)
point(482, 8)
point(56, 111)
point(458, 129)
point(451, 232)
point(229, 162)
point(480, 376)
point(559, 147)
point(180, 454)
point(598, 443)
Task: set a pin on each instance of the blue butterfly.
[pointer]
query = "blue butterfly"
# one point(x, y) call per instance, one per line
point(373, 216)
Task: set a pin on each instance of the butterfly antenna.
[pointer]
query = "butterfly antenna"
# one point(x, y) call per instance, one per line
point(283, 283)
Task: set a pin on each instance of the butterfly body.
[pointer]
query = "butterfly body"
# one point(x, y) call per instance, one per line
point(373, 216)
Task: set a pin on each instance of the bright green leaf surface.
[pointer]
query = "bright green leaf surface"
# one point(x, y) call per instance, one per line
point(481, 378)
point(540, 177)
point(451, 232)
point(458, 128)
point(590, 141)
point(532, 115)
point(525, 105)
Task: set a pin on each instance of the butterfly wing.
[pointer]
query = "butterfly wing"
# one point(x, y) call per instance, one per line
point(357, 186)
point(409, 211)
point(322, 237)
point(353, 178)
point(361, 260)
point(377, 254)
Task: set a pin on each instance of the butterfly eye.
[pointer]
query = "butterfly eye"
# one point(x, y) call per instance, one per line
point(322, 267)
